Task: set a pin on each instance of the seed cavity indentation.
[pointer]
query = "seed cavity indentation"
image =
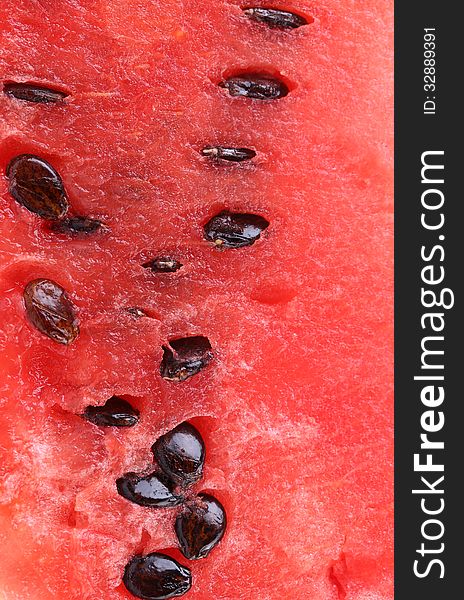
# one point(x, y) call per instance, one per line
point(200, 526)
point(234, 230)
point(136, 312)
point(255, 86)
point(31, 92)
point(154, 490)
point(185, 357)
point(116, 412)
point(276, 18)
point(181, 454)
point(37, 186)
point(49, 310)
point(230, 154)
point(156, 576)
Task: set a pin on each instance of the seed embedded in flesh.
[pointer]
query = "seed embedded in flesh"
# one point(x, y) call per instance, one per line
point(229, 154)
point(200, 526)
point(235, 230)
point(156, 576)
point(185, 357)
point(31, 92)
point(116, 412)
point(154, 490)
point(76, 226)
point(255, 86)
point(35, 184)
point(163, 264)
point(181, 454)
point(136, 312)
point(49, 310)
point(273, 17)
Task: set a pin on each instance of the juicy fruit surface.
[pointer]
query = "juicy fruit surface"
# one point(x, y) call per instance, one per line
point(296, 406)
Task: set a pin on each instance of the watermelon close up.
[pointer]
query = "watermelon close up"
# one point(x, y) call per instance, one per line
point(196, 300)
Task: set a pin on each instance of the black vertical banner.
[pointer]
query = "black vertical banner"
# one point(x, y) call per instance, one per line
point(429, 327)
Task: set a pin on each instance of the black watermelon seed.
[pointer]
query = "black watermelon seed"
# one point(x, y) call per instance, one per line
point(33, 93)
point(76, 226)
point(181, 454)
point(116, 412)
point(185, 357)
point(163, 264)
point(156, 577)
point(235, 230)
point(200, 526)
point(37, 186)
point(136, 312)
point(273, 17)
point(49, 309)
point(154, 490)
point(228, 154)
point(258, 87)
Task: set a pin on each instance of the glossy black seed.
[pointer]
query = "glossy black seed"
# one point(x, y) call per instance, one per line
point(229, 154)
point(200, 526)
point(76, 226)
point(33, 93)
point(154, 490)
point(37, 186)
point(185, 357)
point(163, 264)
point(258, 87)
point(181, 454)
point(156, 577)
point(116, 412)
point(234, 230)
point(273, 17)
point(50, 311)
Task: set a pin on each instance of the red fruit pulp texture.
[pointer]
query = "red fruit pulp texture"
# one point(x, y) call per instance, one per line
point(296, 406)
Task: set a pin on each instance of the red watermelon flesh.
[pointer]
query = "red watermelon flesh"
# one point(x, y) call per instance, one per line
point(296, 406)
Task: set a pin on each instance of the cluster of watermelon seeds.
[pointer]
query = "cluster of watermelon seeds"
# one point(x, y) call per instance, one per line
point(199, 526)
point(180, 454)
